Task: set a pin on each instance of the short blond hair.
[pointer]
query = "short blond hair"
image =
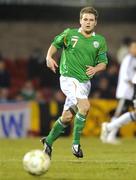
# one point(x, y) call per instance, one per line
point(88, 10)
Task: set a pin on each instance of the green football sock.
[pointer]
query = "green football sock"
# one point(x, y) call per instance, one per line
point(79, 123)
point(55, 132)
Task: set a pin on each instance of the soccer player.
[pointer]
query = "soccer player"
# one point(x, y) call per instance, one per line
point(125, 91)
point(83, 55)
point(120, 121)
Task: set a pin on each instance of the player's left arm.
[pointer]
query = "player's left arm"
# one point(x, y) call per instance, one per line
point(91, 71)
point(101, 60)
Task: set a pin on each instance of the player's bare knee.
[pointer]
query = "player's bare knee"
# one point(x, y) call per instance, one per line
point(84, 108)
point(66, 117)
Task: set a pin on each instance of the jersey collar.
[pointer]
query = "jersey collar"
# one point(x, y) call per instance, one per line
point(93, 33)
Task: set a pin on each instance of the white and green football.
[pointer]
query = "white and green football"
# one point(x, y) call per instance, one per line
point(36, 162)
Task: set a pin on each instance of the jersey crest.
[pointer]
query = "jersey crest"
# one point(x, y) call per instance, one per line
point(96, 44)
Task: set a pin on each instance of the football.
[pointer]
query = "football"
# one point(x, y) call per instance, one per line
point(36, 162)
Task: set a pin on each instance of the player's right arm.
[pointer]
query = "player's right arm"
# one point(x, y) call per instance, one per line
point(58, 43)
point(51, 63)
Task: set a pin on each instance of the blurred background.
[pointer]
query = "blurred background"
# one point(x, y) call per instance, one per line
point(30, 96)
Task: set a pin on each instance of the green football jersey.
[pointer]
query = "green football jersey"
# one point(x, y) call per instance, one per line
point(80, 52)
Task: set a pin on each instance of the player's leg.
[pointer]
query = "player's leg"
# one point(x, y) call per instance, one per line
point(83, 105)
point(57, 130)
point(59, 127)
point(68, 89)
point(79, 123)
point(121, 108)
point(120, 121)
point(77, 95)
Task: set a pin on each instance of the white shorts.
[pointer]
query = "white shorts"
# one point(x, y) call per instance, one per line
point(73, 89)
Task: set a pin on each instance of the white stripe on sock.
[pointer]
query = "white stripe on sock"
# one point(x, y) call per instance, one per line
point(60, 122)
point(79, 117)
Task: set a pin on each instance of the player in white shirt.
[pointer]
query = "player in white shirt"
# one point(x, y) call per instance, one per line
point(125, 91)
point(123, 119)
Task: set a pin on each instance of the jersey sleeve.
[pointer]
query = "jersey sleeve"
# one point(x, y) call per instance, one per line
point(102, 53)
point(60, 40)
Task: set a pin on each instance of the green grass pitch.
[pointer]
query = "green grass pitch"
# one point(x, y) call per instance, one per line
point(100, 162)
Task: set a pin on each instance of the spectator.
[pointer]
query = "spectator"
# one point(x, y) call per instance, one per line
point(34, 64)
point(4, 75)
point(28, 92)
point(102, 90)
point(40, 96)
point(112, 75)
point(3, 95)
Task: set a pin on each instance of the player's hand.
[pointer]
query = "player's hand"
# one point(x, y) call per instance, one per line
point(51, 63)
point(90, 71)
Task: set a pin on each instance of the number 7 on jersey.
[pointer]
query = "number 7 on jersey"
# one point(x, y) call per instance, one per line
point(75, 41)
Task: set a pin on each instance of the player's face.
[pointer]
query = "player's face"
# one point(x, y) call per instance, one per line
point(132, 49)
point(88, 22)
